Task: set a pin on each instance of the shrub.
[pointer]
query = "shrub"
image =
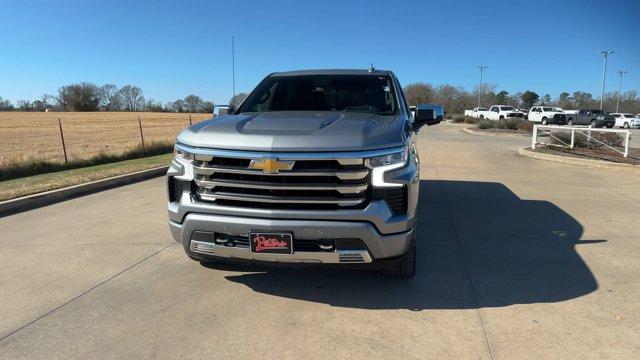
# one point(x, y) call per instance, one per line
point(470, 120)
point(610, 139)
point(526, 126)
point(582, 141)
point(509, 124)
point(564, 139)
point(486, 124)
point(457, 118)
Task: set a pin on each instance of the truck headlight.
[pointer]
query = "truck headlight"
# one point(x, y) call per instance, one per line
point(381, 164)
point(180, 154)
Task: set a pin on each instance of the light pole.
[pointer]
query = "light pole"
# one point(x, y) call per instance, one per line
point(233, 66)
point(621, 72)
point(605, 53)
point(481, 67)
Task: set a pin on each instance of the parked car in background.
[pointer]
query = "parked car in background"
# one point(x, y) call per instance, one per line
point(499, 112)
point(593, 117)
point(547, 115)
point(476, 112)
point(626, 120)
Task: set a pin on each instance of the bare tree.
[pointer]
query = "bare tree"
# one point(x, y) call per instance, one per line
point(5, 104)
point(24, 105)
point(238, 99)
point(132, 98)
point(193, 103)
point(418, 93)
point(110, 99)
point(79, 97)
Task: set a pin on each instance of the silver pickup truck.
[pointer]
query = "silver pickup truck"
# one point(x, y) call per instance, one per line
point(315, 167)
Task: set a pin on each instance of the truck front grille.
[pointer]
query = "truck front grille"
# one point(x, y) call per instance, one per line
point(308, 185)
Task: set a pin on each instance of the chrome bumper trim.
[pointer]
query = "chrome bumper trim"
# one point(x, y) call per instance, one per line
point(334, 257)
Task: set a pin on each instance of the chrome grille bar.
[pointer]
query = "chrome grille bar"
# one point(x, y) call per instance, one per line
point(343, 189)
point(313, 181)
point(342, 175)
point(280, 199)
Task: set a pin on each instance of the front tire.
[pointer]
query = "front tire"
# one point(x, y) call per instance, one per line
point(481, 117)
point(626, 125)
point(594, 124)
point(570, 122)
point(407, 267)
point(544, 121)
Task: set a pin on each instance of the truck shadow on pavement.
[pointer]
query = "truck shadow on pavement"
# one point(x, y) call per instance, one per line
point(479, 245)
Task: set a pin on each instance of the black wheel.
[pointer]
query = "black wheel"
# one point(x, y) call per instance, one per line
point(501, 117)
point(407, 267)
point(626, 125)
point(594, 124)
point(570, 122)
point(544, 121)
point(481, 117)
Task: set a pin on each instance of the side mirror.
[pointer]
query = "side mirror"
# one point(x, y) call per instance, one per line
point(425, 117)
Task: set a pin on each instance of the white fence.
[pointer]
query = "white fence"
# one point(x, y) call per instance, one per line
point(586, 131)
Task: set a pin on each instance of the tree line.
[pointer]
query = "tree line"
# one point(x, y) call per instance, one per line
point(86, 96)
point(456, 99)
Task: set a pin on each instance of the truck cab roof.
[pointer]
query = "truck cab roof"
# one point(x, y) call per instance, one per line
point(332, 72)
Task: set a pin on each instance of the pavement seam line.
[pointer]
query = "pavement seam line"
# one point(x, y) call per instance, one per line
point(464, 259)
point(84, 292)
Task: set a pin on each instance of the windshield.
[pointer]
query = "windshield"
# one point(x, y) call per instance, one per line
point(628, 116)
point(597, 112)
point(348, 93)
point(506, 108)
point(548, 109)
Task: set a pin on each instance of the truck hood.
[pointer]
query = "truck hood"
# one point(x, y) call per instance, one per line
point(297, 131)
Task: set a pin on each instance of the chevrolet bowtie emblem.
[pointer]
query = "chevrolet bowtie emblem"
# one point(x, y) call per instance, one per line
point(271, 165)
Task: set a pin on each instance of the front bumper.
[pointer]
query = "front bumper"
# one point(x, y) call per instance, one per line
point(385, 235)
point(605, 123)
point(378, 246)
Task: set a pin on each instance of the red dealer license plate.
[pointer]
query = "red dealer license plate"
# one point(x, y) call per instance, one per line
point(271, 243)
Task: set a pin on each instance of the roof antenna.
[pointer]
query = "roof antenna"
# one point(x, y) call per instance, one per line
point(371, 69)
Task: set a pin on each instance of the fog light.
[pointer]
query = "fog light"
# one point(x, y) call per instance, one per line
point(325, 244)
point(222, 239)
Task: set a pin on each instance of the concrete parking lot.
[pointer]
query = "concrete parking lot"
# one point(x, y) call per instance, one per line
point(518, 258)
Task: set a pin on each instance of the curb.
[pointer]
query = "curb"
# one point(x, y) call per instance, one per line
point(595, 164)
point(484, 133)
point(35, 201)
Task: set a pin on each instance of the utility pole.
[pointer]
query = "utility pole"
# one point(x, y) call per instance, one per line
point(620, 72)
point(605, 54)
point(233, 65)
point(481, 67)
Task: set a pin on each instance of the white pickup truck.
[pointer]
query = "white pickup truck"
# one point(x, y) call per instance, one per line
point(547, 115)
point(476, 112)
point(626, 120)
point(499, 112)
point(495, 112)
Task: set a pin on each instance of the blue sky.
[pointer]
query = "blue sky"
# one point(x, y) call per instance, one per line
point(175, 48)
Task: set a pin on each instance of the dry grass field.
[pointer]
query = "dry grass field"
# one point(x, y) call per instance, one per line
point(27, 136)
